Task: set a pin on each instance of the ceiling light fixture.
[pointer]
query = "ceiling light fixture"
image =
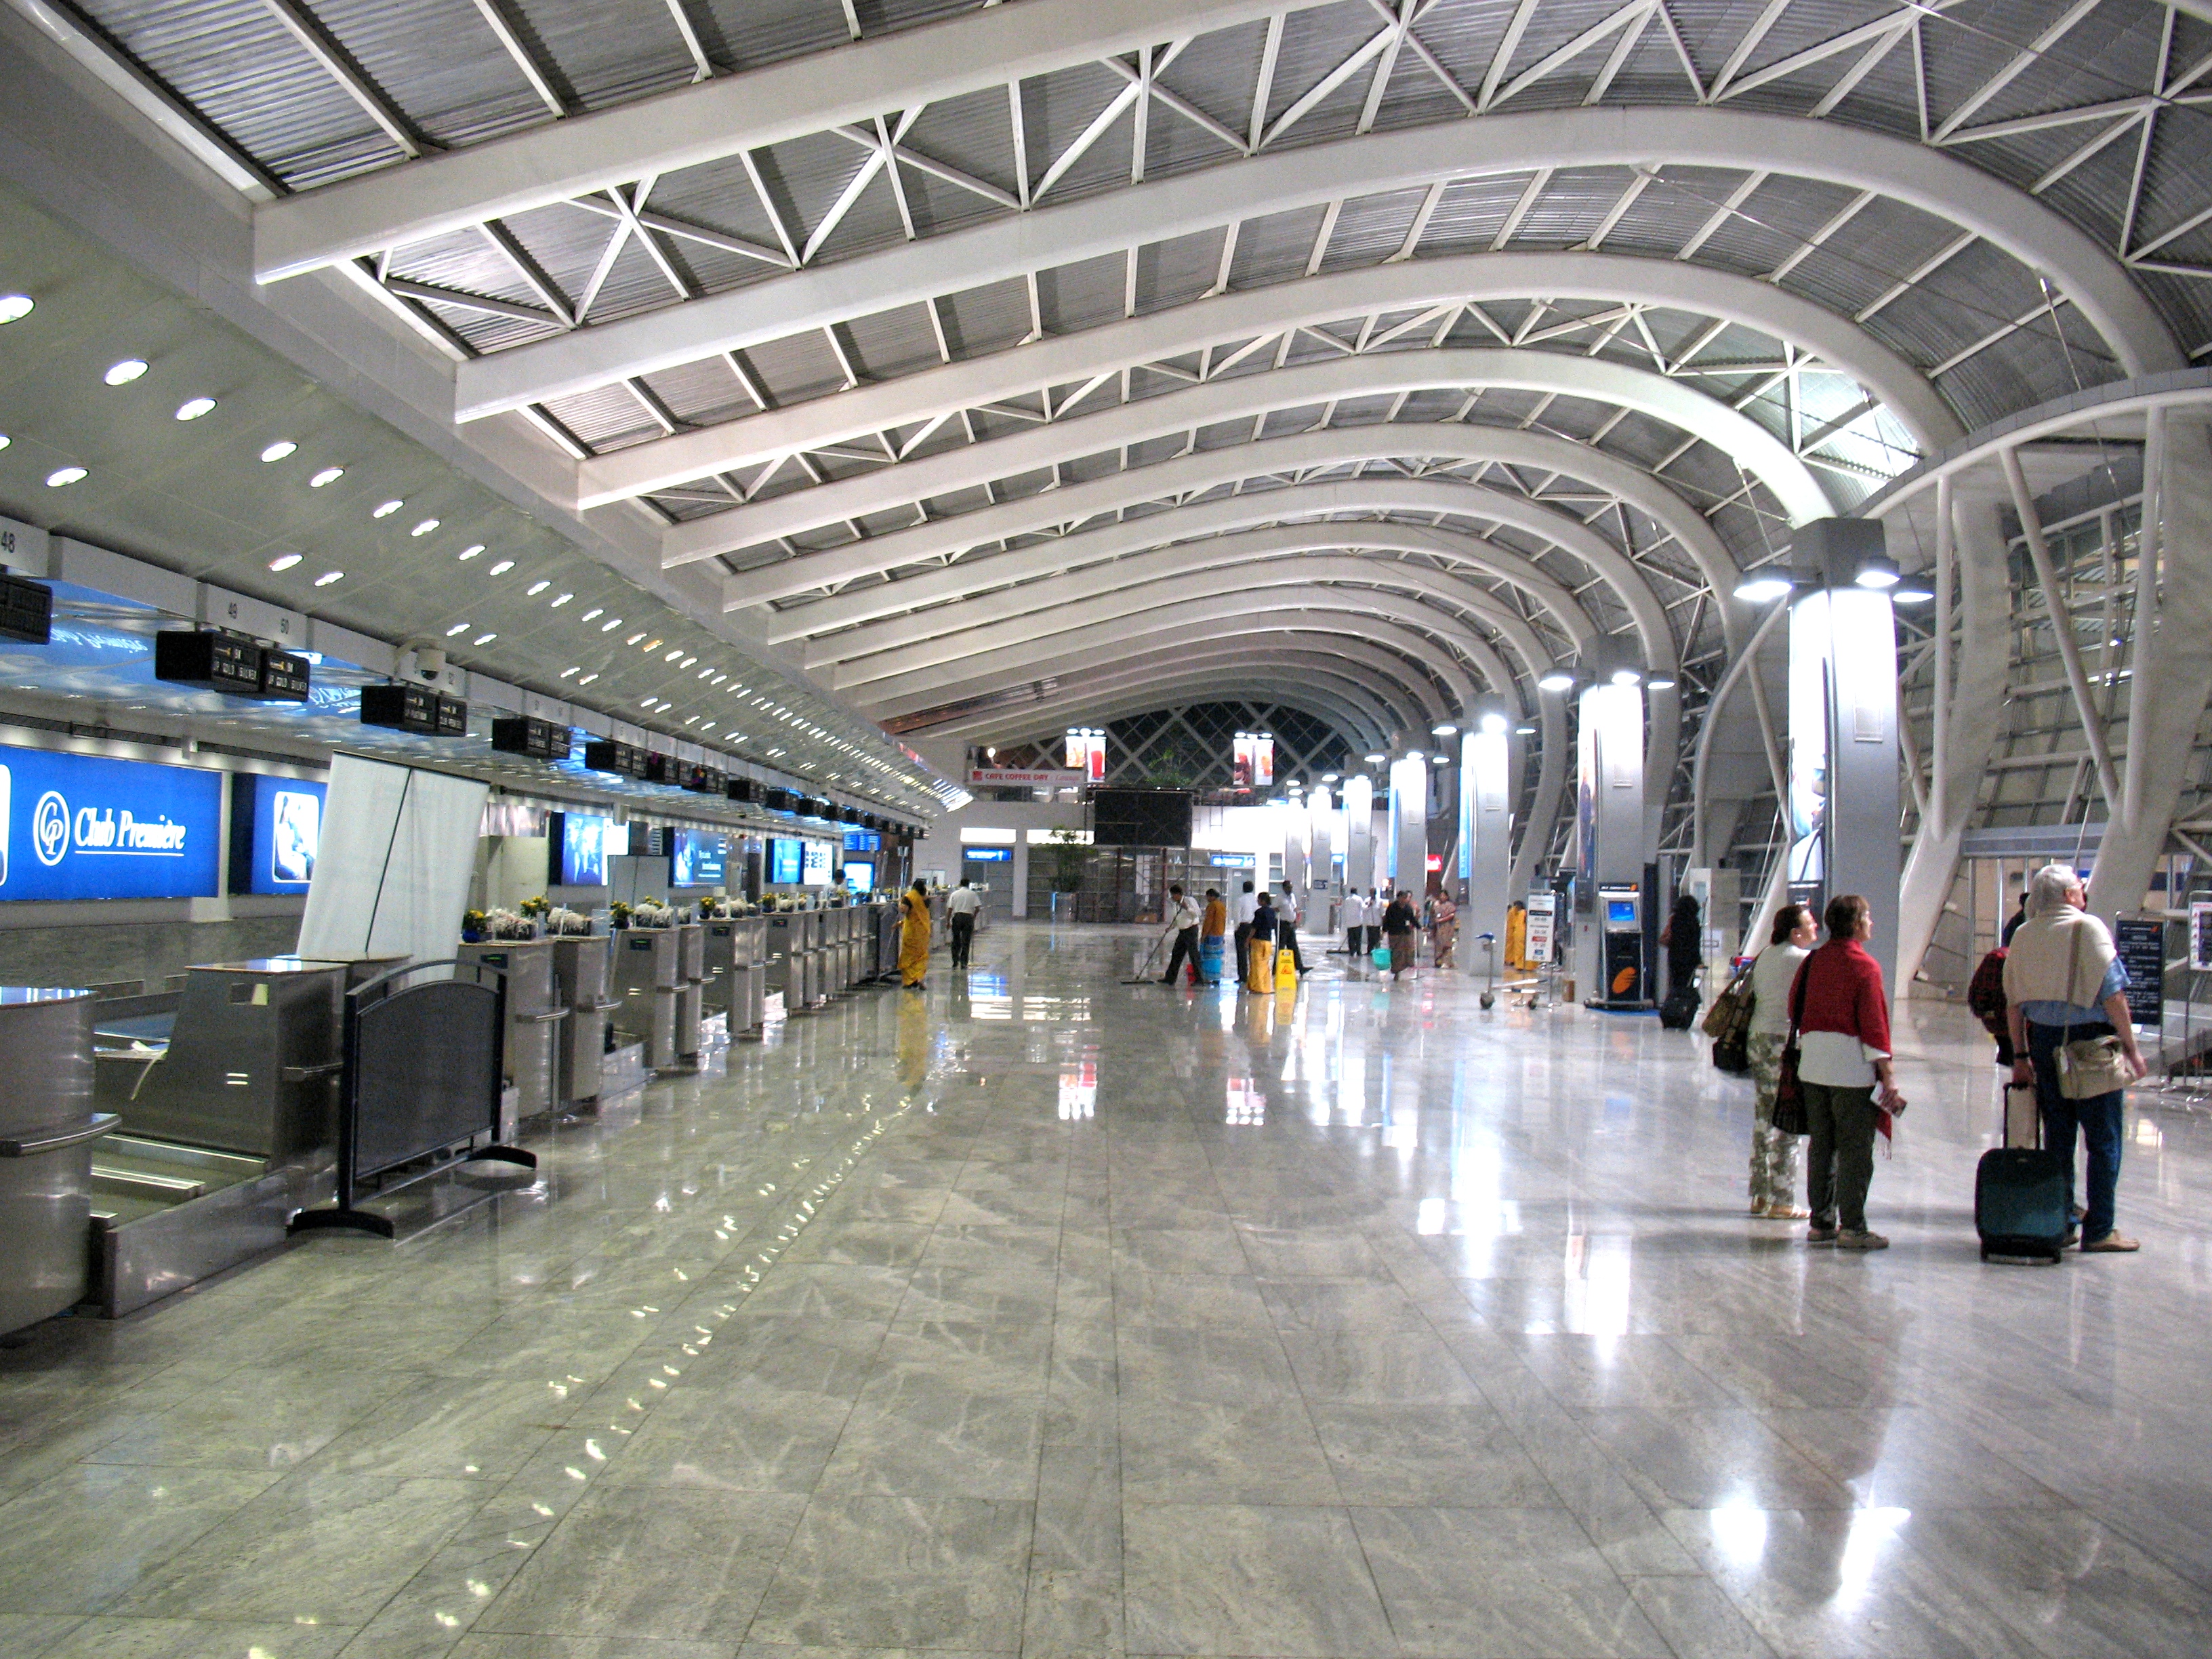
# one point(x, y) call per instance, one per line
point(560, 599)
point(278, 450)
point(687, 662)
point(566, 671)
point(458, 628)
point(633, 639)
point(502, 567)
point(469, 552)
point(283, 561)
point(483, 639)
point(424, 528)
point(1763, 590)
point(535, 588)
point(1912, 590)
point(592, 615)
point(328, 577)
point(1557, 680)
point(1446, 730)
point(611, 624)
point(329, 475)
point(62, 476)
point(1877, 572)
point(587, 679)
point(385, 509)
point(192, 408)
point(124, 373)
point(14, 307)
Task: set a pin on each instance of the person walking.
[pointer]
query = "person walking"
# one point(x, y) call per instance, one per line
point(1212, 934)
point(1443, 929)
point(1183, 918)
point(2063, 985)
point(1377, 904)
point(1240, 907)
point(1259, 947)
point(1401, 926)
point(1774, 1154)
point(1841, 1009)
point(914, 935)
point(1288, 917)
point(961, 905)
point(1352, 915)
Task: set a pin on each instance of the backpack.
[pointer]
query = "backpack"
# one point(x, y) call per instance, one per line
point(1985, 993)
point(1728, 1022)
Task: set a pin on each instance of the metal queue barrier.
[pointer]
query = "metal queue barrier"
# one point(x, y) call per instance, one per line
point(423, 1079)
point(47, 1131)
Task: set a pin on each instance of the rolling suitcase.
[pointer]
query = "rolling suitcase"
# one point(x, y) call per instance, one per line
point(1681, 1008)
point(2019, 1195)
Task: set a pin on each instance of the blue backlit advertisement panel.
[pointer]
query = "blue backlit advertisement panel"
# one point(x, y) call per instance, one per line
point(786, 858)
point(814, 863)
point(283, 821)
point(82, 827)
point(583, 849)
point(700, 859)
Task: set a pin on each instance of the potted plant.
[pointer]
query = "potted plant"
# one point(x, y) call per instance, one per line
point(617, 915)
point(472, 927)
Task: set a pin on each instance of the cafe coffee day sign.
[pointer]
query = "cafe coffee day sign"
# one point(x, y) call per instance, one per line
point(79, 827)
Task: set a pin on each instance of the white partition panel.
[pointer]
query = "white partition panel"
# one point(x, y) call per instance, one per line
point(391, 876)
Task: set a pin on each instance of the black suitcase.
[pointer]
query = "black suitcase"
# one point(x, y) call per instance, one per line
point(1681, 1008)
point(2019, 1203)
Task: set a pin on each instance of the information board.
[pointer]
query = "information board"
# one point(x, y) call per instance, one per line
point(1537, 947)
point(84, 827)
point(814, 863)
point(2142, 947)
point(2200, 938)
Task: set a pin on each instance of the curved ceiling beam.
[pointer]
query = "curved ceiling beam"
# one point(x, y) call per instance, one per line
point(727, 115)
point(1392, 493)
point(1244, 398)
point(947, 631)
point(1212, 469)
point(1624, 279)
point(1404, 697)
point(1002, 250)
point(1209, 676)
point(1365, 579)
point(1148, 699)
point(1274, 610)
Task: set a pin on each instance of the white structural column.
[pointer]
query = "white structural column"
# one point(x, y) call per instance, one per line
point(1360, 831)
point(1486, 836)
point(1005, 249)
point(1294, 847)
point(1973, 596)
point(1320, 867)
point(2173, 654)
point(1677, 402)
point(1072, 359)
point(1409, 826)
point(1610, 818)
point(1550, 790)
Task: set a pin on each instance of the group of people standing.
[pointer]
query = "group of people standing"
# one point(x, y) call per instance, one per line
point(1387, 917)
point(1266, 926)
point(2063, 982)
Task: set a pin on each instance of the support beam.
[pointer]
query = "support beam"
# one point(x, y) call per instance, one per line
point(986, 574)
point(1006, 249)
point(1675, 402)
point(850, 417)
point(1216, 675)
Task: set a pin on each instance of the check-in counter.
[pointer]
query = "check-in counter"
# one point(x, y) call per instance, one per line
point(535, 1013)
point(733, 954)
point(785, 935)
point(47, 1131)
point(647, 975)
point(691, 985)
point(579, 1046)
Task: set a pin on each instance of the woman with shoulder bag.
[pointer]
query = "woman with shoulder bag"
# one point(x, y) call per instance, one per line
point(1842, 1009)
point(2066, 1003)
point(1774, 1151)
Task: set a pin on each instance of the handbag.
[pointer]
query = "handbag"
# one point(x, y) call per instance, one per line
point(1732, 1007)
point(1380, 955)
point(1789, 1114)
point(2089, 1066)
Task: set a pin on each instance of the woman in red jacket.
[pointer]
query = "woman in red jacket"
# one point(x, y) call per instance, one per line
point(1842, 1013)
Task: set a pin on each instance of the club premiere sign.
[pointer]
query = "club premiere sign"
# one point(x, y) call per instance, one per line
point(83, 827)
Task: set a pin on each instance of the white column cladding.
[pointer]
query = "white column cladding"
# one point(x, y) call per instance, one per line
point(1843, 754)
point(1321, 863)
point(1360, 831)
point(1021, 875)
point(1609, 808)
point(1409, 826)
point(1486, 808)
point(1294, 846)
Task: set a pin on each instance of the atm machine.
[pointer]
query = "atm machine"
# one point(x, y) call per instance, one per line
point(647, 975)
point(1620, 929)
point(580, 977)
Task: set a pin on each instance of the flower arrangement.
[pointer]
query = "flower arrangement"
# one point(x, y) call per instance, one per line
point(652, 912)
point(618, 914)
point(562, 922)
point(539, 907)
point(472, 927)
point(502, 924)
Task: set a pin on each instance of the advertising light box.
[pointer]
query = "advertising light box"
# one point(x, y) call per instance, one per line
point(814, 866)
point(584, 850)
point(785, 861)
point(276, 830)
point(82, 827)
point(701, 858)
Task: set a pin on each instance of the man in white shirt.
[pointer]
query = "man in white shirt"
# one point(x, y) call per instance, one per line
point(1183, 917)
point(1287, 916)
point(961, 905)
point(1242, 903)
point(1352, 915)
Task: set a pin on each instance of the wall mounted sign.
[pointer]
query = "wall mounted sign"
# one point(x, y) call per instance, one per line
point(276, 832)
point(83, 827)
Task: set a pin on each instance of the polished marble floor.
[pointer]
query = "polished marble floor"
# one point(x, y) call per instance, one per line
point(1036, 1314)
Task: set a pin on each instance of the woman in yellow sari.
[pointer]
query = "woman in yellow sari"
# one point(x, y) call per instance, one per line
point(914, 936)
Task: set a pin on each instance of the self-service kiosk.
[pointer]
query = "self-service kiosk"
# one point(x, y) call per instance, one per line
point(1620, 928)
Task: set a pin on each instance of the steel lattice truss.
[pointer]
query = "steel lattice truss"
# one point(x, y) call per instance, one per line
point(1048, 343)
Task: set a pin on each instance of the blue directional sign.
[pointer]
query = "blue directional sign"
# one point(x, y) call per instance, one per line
point(83, 827)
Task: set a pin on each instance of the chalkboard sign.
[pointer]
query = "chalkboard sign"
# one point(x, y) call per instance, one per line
point(2142, 947)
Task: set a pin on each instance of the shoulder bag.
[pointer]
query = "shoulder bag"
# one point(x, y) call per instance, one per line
point(1789, 1116)
point(1733, 1006)
point(2089, 1066)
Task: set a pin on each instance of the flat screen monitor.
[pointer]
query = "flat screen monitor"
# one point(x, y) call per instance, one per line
point(859, 875)
point(583, 849)
point(1140, 818)
point(785, 859)
point(1620, 912)
point(814, 863)
point(700, 858)
point(987, 854)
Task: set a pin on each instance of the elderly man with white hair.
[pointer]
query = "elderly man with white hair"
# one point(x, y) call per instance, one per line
point(2064, 985)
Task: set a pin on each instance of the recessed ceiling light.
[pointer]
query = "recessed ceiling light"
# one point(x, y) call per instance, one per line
point(424, 528)
point(385, 509)
point(587, 679)
point(611, 624)
point(592, 615)
point(13, 307)
point(472, 550)
point(279, 449)
point(652, 645)
point(63, 475)
point(566, 671)
point(633, 639)
point(535, 588)
point(5, 441)
point(329, 475)
point(192, 408)
point(483, 639)
point(645, 703)
point(124, 373)
point(283, 561)
point(458, 628)
point(687, 662)
point(672, 655)
point(502, 567)
point(328, 577)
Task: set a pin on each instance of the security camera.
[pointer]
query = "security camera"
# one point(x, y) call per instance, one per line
point(429, 661)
